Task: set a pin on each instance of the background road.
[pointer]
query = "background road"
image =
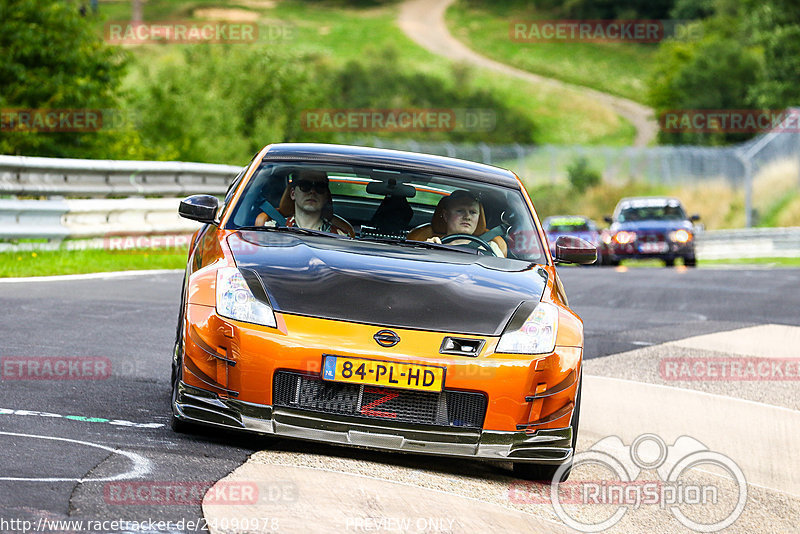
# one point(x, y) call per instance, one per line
point(131, 321)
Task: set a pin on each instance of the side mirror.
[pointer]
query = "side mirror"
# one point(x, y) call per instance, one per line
point(608, 219)
point(202, 208)
point(694, 218)
point(571, 249)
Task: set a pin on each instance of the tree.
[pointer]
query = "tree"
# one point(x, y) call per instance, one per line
point(51, 58)
point(136, 10)
point(774, 26)
point(749, 58)
point(581, 176)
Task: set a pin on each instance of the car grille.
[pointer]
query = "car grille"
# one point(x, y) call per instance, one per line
point(448, 408)
point(650, 236)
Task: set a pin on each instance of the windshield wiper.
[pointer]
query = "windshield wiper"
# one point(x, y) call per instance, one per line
point(292, 229)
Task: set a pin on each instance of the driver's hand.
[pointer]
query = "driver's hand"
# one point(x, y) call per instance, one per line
point(270, 223)
point(434, 239)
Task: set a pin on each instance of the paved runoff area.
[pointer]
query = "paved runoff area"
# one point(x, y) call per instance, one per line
point(728, 397)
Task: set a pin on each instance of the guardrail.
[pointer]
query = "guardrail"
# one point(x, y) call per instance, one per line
point(749, 243)
point(58, 220)
point(53, 221)
point(33, 176)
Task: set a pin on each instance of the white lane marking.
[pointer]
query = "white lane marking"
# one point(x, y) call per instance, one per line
point(642, 343)
point(115, 422)
point(87, 276)
point(141, 465)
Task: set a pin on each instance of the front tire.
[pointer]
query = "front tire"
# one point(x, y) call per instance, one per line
point(176, 424)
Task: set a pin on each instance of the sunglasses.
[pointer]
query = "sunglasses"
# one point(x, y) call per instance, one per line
point(307, 185)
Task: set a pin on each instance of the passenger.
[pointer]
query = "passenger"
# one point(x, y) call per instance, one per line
point(459, 213)
point(308, 200)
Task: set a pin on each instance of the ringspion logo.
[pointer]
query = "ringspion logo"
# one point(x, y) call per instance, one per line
point(676, 487)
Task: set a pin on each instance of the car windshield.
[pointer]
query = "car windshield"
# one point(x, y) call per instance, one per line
point(387, 205)
point(670, 212)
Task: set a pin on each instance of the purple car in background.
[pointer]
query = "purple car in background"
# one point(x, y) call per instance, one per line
point(576, 226)
point(650, 227)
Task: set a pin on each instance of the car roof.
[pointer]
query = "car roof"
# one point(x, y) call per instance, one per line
point(649, 201)
point(587, 219)
point(391, 159)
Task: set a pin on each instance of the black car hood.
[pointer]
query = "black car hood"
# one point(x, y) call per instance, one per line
point(385, 284)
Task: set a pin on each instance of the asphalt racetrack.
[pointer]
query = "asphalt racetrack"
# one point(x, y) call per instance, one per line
point(71, 446)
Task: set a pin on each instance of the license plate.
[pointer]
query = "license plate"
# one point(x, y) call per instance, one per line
point(652, 248)
point(381, 373)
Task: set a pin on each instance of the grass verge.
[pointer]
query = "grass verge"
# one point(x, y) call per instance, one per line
point(59, 262)
point(616, 68)
point(55, 262)
point(763, 262)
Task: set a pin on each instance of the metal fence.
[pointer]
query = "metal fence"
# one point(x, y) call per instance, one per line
point(660, 165)
point(663, 165)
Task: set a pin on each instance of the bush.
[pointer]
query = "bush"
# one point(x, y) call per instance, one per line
point(222, 104)
point(581, 177)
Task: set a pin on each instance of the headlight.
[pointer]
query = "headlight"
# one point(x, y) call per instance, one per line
point(680, 236)
point(623, 238)
point(236, 301)
point(607, 239)
point(537, 335)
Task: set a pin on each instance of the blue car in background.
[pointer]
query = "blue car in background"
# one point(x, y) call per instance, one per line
point(650, 227)
point(576, 226)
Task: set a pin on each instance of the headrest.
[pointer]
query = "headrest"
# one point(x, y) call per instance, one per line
point(393, 212)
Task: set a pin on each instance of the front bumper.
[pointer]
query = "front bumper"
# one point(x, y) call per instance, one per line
point(548, 446)
point(632, 251)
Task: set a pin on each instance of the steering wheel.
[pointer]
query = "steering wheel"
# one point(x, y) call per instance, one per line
point(486, 248)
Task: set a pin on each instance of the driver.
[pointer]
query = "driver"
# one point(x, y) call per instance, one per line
point(462, 213)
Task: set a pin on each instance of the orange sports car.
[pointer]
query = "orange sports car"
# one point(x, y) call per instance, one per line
point(381, 299)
